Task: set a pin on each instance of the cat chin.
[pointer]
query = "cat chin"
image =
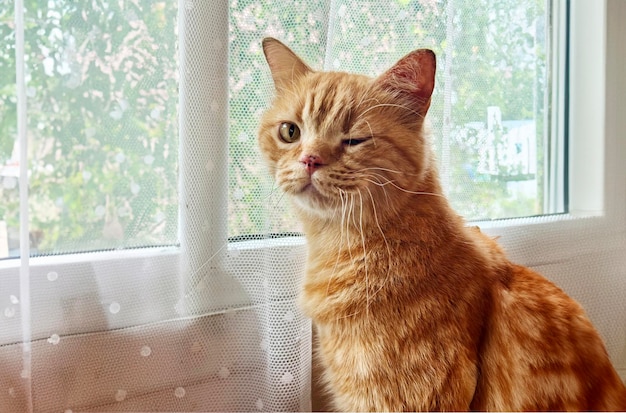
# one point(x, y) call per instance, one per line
point(329, 210)
point(313, 203)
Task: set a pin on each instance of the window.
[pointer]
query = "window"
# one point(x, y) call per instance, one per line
point(101, 97)
point(106, 166)
point(490, 114)
point(113, 154)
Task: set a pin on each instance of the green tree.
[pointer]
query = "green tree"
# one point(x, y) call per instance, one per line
point(102, 99)
point(102, 132)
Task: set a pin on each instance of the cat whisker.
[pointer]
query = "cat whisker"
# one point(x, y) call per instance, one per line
point(347, 211)
point(350, 212)
point(378, 168)
point(382, 233)
point(367, 286)
point(272, 192)
point(371, 132)
point(274, 205)
point(349, 315)
point(392, 183)
point(201, 267)
point(375, 180)
point(393, 105)
point(378, 179)
point(363, 101)
point(341, 234)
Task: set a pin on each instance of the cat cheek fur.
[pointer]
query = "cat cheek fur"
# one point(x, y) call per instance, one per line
point(414, 310)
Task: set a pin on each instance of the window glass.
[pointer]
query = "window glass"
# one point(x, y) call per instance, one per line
point(102, 97)
point(101, 90)
point(487, 116)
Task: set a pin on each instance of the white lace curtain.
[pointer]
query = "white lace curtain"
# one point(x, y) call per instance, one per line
point(164, 317)
point(152, 264)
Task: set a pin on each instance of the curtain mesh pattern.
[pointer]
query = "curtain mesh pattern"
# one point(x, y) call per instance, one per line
point(142, 118)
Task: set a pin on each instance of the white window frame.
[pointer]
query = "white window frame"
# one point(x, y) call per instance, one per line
point(597, 205)
point(596, 145)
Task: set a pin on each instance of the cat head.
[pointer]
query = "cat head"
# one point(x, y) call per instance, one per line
point(336, 141)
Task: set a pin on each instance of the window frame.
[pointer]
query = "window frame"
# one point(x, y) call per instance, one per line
point(593, 145)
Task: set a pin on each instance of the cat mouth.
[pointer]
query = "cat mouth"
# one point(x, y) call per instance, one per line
point(309, 189)
point(310, 192)
point(310, 195)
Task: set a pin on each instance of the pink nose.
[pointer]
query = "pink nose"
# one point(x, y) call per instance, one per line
point(311, 162)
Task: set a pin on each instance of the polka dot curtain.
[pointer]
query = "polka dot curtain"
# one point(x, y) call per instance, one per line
point(147, 260)
point(128, 284)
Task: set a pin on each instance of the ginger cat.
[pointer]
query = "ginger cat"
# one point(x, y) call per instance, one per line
point(415, 311)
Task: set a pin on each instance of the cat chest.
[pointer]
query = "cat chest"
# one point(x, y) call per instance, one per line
point(381, 367)
point(343, 354)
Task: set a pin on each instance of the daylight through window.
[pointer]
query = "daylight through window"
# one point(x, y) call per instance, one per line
point(102, 109)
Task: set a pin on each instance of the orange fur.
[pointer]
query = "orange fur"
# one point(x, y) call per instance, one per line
point(415, 311)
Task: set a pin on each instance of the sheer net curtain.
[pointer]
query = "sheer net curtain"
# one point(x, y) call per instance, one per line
point(97, 325)
point(205, 317)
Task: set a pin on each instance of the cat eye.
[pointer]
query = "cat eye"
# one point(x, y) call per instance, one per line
point(353, 142)
point(288, 132)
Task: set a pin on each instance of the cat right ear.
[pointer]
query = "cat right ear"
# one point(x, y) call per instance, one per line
point(413, 76)
point(284, 64)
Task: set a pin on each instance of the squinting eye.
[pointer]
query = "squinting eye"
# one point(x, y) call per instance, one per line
point(289, 132)
point(353, 142)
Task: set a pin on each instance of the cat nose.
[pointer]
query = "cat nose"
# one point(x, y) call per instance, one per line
point(311, 162)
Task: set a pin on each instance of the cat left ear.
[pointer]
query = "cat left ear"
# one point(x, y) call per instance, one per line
point(413, 76)
point(284, 64)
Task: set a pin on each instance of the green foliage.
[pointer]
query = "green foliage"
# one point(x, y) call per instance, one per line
point(102, 100)
point(496, 56)
point(102, 131)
